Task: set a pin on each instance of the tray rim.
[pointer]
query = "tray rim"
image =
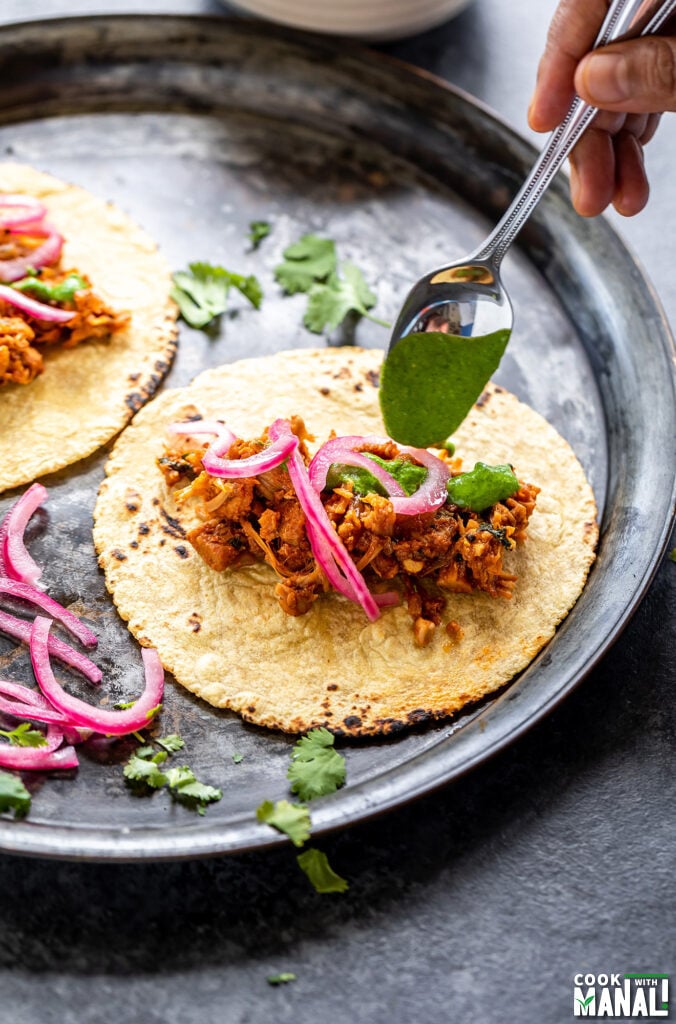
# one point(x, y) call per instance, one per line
point(352, 804)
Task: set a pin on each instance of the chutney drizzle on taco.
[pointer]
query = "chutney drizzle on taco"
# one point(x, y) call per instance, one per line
point(42, 304)
point(393, 510)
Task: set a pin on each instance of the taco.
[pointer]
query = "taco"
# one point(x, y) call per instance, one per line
point(87, 328)
point(232, 634)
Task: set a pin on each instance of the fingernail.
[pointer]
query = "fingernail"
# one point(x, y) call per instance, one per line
point(605, 77)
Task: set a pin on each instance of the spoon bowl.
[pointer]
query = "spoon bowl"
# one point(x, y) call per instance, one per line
point(463, 299)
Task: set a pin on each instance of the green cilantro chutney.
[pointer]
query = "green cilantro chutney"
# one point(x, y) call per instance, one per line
point(430, 381)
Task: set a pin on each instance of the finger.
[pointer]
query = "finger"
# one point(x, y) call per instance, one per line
point(650, 128)
point(592, 177)
point(635, 124)
point(609, 121)
point(572, 32)
point(636, 76)
point(631, 184)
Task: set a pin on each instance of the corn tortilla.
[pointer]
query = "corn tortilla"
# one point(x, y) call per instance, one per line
point(88, 393)
point(224, 635)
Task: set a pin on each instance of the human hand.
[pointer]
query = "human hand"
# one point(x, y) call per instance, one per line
point(630, 82)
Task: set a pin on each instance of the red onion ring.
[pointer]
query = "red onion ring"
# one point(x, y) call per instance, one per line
point(26, 703)
point(43, 758)
point(33, 211)
point(327, 547)
point(237, 469)
point(20, 629)
point(38, 310)
point(430, 496)
point(341, 450)
point(14, 558)
point(36, 597)
point(48, 252)
point(83, 715)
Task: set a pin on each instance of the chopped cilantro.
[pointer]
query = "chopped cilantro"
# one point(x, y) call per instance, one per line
point(258, 230)
point(153, 711)
point(307, 261)
point(237, 758)
point(329, 303)
point(291, 819)
point(310, 265)
point(672, 554)
point(482, 486)
point(145, 771)
point(280, 979)
point(499, 532)
point(171, 743)
point(187, 789)
point(123, 705)
point(63, 291)
point(202, 293)
point(25, 736)
point(145, 751)
point(316, 768)
point(13, 795)
point(316, 866)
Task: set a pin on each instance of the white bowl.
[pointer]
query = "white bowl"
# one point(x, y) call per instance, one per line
point(379, 20)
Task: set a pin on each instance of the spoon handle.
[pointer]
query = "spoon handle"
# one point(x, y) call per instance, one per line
point(625, 19)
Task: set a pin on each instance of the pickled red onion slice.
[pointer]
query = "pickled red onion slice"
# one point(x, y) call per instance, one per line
point(18, 211)
point(22, 702)
point(41, 600)
point(20, 629)
point(327, 547)
point(14, 558)
point(261, 462)
point(39, 310)
point(341, 450)
point(48, 252)
point(83, 715)
point(44, 758)
point(431, 494)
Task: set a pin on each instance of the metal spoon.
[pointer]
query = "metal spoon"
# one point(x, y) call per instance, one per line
point(467, 297)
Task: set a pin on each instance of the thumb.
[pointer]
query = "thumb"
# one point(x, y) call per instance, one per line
point(638, 76)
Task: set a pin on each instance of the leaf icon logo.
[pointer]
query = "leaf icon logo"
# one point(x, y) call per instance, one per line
point(585, 1002)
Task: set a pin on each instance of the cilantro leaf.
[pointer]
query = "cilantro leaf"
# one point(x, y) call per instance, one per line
point(63, 291)
point(25, 736)
point(202, 293)
point(171, 743)
point(292, 819)
point(237, 758)
point(258, 230)
point(316, 866)
point(281, 978)
point(316, 768)
point(145, 771)
point(329, 303)
point(151, 712)
point(13, 795)
point(672, 554)
point(307, 261)
point(187, 789)
point(122, 705)
point(145, 751)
